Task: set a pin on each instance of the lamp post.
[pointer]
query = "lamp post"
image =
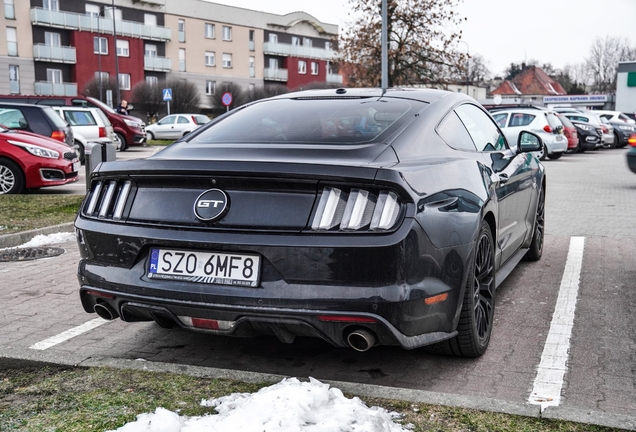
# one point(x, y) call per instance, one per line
point(99, 54)
point(385, 49)
point(116, 55)
point(467, 64)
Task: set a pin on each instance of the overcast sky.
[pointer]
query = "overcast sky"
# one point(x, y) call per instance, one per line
point(504, 31)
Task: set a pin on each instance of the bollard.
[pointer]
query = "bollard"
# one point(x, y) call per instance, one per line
point(94, 154)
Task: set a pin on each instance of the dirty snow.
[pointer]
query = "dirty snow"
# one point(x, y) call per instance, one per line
point(43, 240)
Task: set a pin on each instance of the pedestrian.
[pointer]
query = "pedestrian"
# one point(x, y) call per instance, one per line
point(122, 108)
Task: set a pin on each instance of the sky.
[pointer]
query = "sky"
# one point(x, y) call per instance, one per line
point(559, 32)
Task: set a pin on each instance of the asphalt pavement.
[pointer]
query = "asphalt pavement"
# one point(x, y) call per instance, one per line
point(590, 214)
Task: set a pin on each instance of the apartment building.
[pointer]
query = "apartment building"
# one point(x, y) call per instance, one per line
point(55, 47)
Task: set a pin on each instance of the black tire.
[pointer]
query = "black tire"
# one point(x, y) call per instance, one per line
point(542, 153)
point(149, 136)
point(478, 307)
point(11, 178)
point(555, 156)
point(617, 141)
point(538, 234)
point(81, 151)
point(122, 139)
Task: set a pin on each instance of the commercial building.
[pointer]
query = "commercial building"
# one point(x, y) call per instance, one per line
point(56, 47)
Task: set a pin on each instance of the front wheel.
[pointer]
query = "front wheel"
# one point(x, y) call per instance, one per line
point(81, 152)
point(478, 307)
point(555, 156)
point(122, 142)
point(11, 178)
point(536, 246)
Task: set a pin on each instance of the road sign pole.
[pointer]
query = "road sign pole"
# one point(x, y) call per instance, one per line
point(168, 102)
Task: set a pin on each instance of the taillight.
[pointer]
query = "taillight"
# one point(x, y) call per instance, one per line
point(59, 135)
point(547, 128)
point(346, 319)
point(355, 210)
point(102, 132)
point(632, 140)
point(604, 128)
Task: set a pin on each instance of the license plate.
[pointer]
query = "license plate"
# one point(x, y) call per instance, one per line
point(76, 166)
point(559, 138)
point(205, 267)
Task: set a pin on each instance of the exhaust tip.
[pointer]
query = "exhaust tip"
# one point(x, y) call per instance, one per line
point(104, 311)
point(361, 340)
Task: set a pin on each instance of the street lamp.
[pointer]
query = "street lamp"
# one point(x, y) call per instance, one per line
point(467, 63)
point(116, 55)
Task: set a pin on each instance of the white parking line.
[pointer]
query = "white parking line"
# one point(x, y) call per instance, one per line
point(549, 380)
point(68, 334)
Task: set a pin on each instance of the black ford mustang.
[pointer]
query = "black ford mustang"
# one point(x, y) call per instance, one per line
point(355, 216)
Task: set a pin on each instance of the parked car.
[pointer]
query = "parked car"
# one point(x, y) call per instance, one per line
point(570, 132)
point(41, 120)
point(31, 161)
point(592, 121)
point(631, 154)
point(622, 132)
point(128, 129)
point(542, 122)
point(613, 116)
point(89, 125)
point(589, 136)
point(175, 126)
point(277, 219)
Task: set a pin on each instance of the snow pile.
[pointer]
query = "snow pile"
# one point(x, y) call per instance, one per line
point(43, 240)
point(289, 406)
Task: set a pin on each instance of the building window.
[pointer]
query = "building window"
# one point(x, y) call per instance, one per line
point(52, 39)
point(9, 9)
point(92, 10)
point(108, 13)
point(12, 41)
point(251, 42)
point(273, 38)
point(150, 50)
point(227, 60)
point(182, 64)
point(227, 33)
point(210, 87)
point(314, 68)
point(14, 79)
point(54, 76)
point(295, 41)
point(181, 31)
point(52, 5)
point(124, 81)
point(307, 42)
point(273, 63)
point(152, 80)
point(150, 19)
point(328, 45)
point(103, 75)
point(100, 45)
point(123, 49)
point(302, 67)
point(252, 66)
point(209, 31)
point(210, 58)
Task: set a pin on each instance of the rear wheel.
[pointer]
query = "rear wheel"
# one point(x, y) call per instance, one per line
point(149, 136)
point(122, 142)
point(80, 150)
point(11, 178)
point(478, 308)
point(555, 156)
point(536, 247)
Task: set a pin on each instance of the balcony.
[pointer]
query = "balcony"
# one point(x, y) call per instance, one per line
point(45, 88)
point(14, 87)
point(275, 74)
point(287, 50)
point(56, 54)
point(334, 78)
point(159, 64)
point(73, 21)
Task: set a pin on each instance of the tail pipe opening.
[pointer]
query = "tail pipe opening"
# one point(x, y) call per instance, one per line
point(361, 339)
point(105, 311)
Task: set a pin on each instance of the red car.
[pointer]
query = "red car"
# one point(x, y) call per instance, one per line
point(570, 132)
point(30, 161)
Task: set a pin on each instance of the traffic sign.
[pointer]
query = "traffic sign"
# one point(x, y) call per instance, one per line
point(226, 99)
point(167, 94)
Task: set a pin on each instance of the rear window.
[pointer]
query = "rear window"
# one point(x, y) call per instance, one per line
point(315, 121)
point(102, 116)
point(200, 119)
point(521, 119)
point(553, 121)
point(57, 121)
point(579, 118)
point(79, 118)
point(501, 119)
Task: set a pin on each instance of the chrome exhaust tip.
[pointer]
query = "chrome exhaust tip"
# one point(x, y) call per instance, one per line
point(103, 310)
point(361, 340)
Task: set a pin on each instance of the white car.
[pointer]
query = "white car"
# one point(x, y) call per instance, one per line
point(614, 116)
point(89, 125)
point(543, 123)
point(175, 126)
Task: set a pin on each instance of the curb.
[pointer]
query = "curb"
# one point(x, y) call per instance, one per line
point(20, 358)
point(12, 240)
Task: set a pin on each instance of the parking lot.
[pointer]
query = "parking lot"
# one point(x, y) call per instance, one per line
point(590, 197)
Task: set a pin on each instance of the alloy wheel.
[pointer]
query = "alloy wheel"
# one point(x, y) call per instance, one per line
point(7, 179)
point(540, 223)
point(483, 288)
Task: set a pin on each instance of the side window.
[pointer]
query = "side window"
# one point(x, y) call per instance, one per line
point(520, 119)
point(182, 120)
point(453, 132)
point(501, 119)
point(481, 128)
point(168, 120)
point(80, 118)
point(13, 119)
point(52, 102)
point(79, 102)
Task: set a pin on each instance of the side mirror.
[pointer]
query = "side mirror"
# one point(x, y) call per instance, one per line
point(529, 142)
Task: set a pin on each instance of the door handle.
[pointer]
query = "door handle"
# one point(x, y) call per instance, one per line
point(503, 178)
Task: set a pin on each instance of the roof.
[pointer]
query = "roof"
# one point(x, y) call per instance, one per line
point(422, 94)
point(531, 81)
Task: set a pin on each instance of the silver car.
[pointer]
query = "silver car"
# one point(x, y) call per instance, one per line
point(175, 126)
point(88, 125)
point(606, 129)
point(541, 122)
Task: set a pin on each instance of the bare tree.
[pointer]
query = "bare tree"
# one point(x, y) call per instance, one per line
point(91, 88)
point(185, 96)
point(266, 92)
point(602, 62)
point(239, 96)
point(420, 43)
point(478, 68)
point(148, 98)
